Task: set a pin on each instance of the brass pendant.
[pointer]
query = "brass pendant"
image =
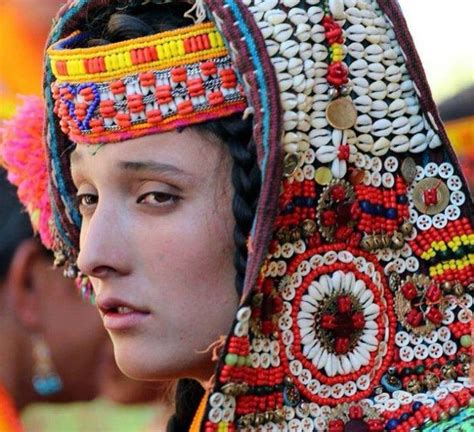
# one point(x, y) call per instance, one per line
point(341, 113)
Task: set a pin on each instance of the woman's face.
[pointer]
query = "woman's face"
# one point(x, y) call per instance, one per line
point(157, 242)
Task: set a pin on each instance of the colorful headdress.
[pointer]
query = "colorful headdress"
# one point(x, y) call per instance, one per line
point(357, 302)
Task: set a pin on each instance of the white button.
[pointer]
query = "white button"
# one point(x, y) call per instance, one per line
point(444, 334)
point(452, 212)
point(376, 179)
point(314, 410)
point(424, 222)
point(227, 414)
point(392, 405)
point(244, 313)
point(440, 393)
point(420, 173)
point(385, 254)
point(313, 386)
point(403, 396)
point(265, 360)
point(440, 221)
point(448, 317)
point(400, 265)
point(416, 339)
point(305, 376)
point(446, 170)
point(350, 388)
point(431, 169)
point(376, 164)
point(300, 246)
point(324, 391)
point(216, 399)
point(330, 257)
point(402, 338)
point(407, 354)
point(337, 391)
point(432, 337)
point(412, 264)
point(285, 322)
point(287, 250)
point(289, 413)
point(454, 183)
point(359, 160)
point(458, 198)
point(307, 424)
point(363, 382)
point(296, 367)
point(421, 352)
point(215, 415)
point(229, 402)
point(391, 164)
point(406, 250)
point(368, 162)
point(241, 329)
point(382, 398)
point(387, 180)
point(465, 315)
point(450, 348)
point(435, 350)
point(466, 300)
point(413, 216)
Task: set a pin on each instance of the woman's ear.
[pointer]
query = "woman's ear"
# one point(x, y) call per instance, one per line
point(22, 287)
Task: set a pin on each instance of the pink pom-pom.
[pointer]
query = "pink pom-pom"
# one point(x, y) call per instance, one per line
point(23, 153)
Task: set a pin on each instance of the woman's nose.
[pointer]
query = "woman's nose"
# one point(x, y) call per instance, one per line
point(102, 251)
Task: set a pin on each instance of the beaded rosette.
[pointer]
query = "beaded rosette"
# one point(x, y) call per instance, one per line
point(357, 306)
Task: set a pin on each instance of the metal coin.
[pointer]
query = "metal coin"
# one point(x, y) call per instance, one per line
point(431, 196)
point(408, 170)
point(341, 113)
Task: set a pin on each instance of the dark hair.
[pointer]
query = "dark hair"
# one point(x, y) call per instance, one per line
point(14, 224)
point(235, 132)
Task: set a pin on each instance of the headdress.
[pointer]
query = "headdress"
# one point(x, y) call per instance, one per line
point(357, 302)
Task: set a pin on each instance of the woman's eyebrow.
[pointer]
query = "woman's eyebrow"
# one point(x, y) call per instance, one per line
point(158, 167)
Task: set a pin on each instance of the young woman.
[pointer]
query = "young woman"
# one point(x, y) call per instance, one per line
point(274, 171)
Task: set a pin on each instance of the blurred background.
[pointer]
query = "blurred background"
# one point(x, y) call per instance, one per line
point(443, 34)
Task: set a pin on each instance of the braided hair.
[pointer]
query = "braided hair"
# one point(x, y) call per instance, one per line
point(108, 27)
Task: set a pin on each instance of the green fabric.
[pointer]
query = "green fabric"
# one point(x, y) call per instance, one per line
point(462, 422)
point(97, 416)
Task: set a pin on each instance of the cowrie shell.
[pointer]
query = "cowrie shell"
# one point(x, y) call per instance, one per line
point(298, 16)
point(320, 69)
point(272, 47)
point(382, 128)
point(379, 109)
point(413, 106)
point(381, 147)
point(280, 64)
point(275, 16)
point(363, 124)
point(356, 50)
point(418, 143)
point(267, 5)
point(435, 141)
point(397, 108)
point(389, 57)
point(407, 88)
point(393, 74)
point(394, 91)
point(337, 9)
point(289, 48)
point(282, 32)
point(374, 53)
point(265, 28)
point(288, 100)
point(378, 90)
point(319, 137)
point(365, 143)
point(363, 104)
point(353, 15)
point(376, 71)
point(308, 67)
point(303, 32)
point(305, 50)
point(320, 52)
point(356, 33)
point(290, 3)
point(257, 13)
point(401, 125)
point(416, 124)
point(285, 81)
point(317, 33)
point(295, 66)
point(290, 120)
point(360, 86)
point(359, 68)
point(315, 14)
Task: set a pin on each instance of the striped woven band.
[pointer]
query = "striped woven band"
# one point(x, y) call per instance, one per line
point(143, 86)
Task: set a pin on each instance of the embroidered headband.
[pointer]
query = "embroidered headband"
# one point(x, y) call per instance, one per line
point(143, 86)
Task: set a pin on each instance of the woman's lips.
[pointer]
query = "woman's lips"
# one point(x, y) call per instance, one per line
point(118, 314)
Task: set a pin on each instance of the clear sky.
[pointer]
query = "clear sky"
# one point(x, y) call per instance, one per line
point(444, 36)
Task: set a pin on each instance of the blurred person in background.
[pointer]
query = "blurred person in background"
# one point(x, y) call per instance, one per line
point(47, 353)
point(50, 339)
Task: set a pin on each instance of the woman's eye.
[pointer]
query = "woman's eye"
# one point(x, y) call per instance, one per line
point(157, 198)
point(85, 201)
